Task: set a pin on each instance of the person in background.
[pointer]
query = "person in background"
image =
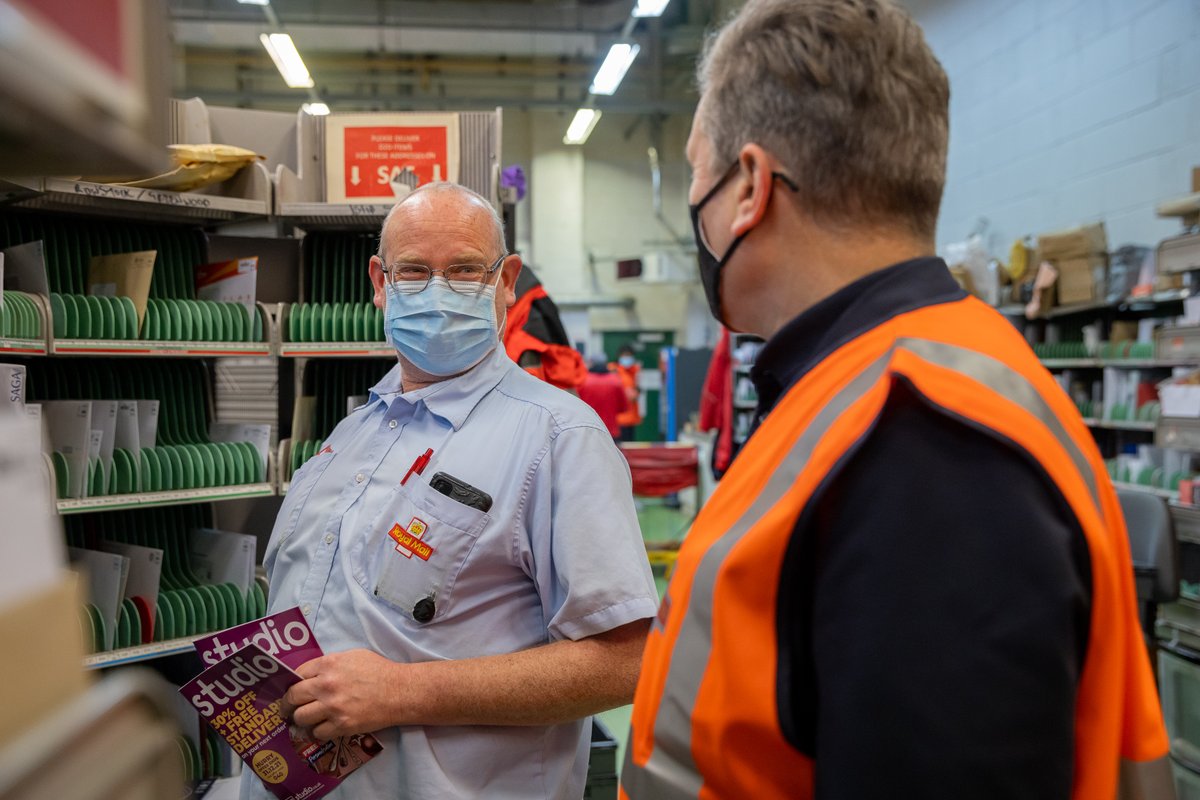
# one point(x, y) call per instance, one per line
point(445, 546)
point(914, 580)
point(604, 392)
point(716, 405)
point(535, 338)
point(627, 368)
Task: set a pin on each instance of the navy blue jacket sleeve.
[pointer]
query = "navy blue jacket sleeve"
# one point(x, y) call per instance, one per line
point(934, 618)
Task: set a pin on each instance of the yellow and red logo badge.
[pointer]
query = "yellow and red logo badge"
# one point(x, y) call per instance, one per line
point(408, 540)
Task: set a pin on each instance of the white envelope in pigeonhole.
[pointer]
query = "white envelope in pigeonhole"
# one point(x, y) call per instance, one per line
point(145, 572)
point(223, 557)
point(104, 419)
point(127, 434)
point(70, 425)
point(25, 268)
point(147, 422)
point(258, 434)
point(106, 574)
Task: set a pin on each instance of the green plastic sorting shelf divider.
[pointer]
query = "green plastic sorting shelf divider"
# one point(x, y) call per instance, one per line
point(333, 322)
point(186, 606)
point(20, 317)
point(182, 457)
point(337, 289)
point(70, 244)
point(331, 382)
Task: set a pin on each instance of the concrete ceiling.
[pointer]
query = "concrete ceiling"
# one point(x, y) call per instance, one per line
point(449, 54)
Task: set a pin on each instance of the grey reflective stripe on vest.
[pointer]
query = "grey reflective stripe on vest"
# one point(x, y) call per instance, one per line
point(1008, 383)
point(671, 773)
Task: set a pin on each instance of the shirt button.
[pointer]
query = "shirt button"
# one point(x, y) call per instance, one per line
point(424, 609)
point(306, 610)
point(359, 478)
point(329, 538)
point(392, 425)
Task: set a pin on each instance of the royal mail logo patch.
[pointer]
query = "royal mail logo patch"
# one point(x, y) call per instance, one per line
point(408, 539)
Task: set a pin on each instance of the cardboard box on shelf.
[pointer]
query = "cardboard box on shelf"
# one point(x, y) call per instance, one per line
point(1123, 331)
point(1081, 279)
point(1168, 282)
point(1084, 240)
point(1081, 257)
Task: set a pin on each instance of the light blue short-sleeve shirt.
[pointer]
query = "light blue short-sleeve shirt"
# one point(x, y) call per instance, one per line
point(414, 575)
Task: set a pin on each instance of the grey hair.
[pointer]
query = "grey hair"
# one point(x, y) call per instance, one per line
point(846, 94)
point(445, 187)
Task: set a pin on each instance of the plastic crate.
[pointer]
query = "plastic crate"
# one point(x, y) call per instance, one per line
point(1187, 783)
point(602, 764)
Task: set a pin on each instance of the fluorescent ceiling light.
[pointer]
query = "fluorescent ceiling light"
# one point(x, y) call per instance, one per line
point(644, 8)
point(287, 60)
point(255, 2)
point(615, 65)
point(316, 109)
point(581, 127)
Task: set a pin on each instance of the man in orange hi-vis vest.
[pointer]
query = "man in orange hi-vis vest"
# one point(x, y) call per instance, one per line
point(914, 581)
point(627, 369)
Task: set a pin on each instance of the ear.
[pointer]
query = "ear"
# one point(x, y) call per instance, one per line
point(508, 278)
point(752, 188)
point(377, 280)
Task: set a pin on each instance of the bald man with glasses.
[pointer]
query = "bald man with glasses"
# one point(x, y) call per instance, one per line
point(465, 547)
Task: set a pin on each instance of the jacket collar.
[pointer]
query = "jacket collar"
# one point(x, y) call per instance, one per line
point(846, 314)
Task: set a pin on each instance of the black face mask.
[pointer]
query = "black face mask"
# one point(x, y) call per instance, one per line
point(710, 265)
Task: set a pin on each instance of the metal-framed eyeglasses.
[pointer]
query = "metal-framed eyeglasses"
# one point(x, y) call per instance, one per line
point(468, 279)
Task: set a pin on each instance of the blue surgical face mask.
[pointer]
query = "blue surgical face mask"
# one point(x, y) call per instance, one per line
point(440, 331)
point(626, 361)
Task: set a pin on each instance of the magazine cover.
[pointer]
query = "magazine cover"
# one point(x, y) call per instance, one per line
point(285, 636)
point(241, 697)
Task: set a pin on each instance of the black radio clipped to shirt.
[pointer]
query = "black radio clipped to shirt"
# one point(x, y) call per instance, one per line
point(460, 491)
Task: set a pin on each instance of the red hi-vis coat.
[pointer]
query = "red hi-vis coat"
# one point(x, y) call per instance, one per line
point(705, 721)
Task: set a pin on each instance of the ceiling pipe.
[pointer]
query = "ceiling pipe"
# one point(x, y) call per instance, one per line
point(656, 186)
point(271, 100)
point(565, 16)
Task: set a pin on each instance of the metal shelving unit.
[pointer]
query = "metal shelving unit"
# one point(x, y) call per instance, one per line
point(172, 498)
point(332, 216)
point(1120, 363)
point(248, 197)
point(1120, 425)
point(1131, 303)
point(145, 652)
point(23, 347)
point(336, 350)
point(139, 347)
point(1166, 494)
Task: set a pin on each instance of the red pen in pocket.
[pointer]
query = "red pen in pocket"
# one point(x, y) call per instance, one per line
point(418, 466)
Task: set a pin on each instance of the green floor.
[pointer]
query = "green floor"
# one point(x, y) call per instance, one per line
point(659, 523)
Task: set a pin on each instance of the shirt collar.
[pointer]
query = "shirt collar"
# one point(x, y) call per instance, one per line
point(865, 304)
point(452, 399)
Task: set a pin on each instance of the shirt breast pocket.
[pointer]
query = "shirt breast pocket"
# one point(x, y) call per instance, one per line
point(414, 549)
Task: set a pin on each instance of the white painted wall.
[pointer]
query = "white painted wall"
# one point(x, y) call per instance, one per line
point(589, 206)
point(1062, 112)
point(1067, 111)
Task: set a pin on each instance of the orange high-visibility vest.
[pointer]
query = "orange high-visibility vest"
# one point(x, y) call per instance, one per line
point(705, 720)
point(632, 415)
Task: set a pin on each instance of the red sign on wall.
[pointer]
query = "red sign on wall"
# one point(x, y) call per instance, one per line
point(377, 156)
